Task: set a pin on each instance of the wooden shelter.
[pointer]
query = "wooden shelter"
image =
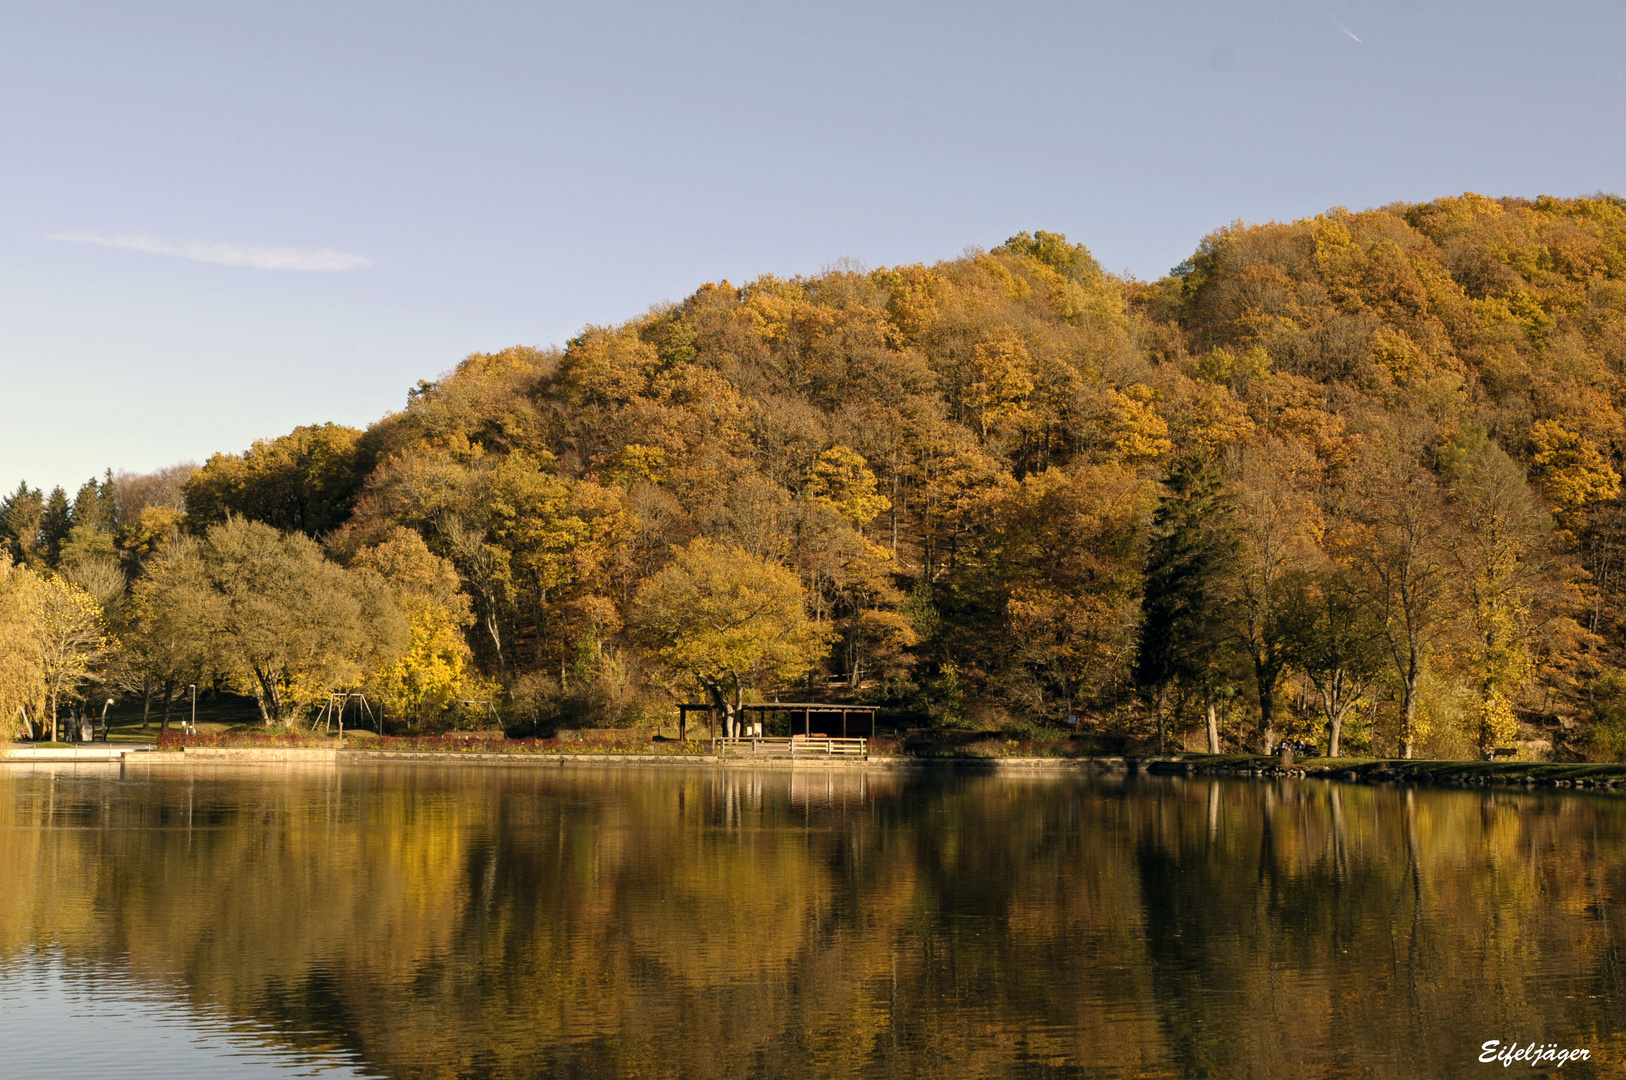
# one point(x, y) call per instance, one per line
point(851, 717)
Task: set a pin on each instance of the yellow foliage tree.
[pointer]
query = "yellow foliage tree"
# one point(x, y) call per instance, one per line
point(1573, 472)
point(432, 675)
point(604, 367)
point(1499, 556)
point(1003, 380)
point(729, 620)
point(22, 672)
point(435, 670)
point(1137, 431)
point(842, 479)
point(71, 639)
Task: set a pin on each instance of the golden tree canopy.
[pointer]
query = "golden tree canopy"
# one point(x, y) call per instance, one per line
point(729, 619)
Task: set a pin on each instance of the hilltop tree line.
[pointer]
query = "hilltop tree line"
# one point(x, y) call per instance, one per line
point(1352, 479)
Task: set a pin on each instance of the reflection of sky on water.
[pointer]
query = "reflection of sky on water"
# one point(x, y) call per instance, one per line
point(61, 1020)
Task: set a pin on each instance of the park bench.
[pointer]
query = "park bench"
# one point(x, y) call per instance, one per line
point(1501, 751)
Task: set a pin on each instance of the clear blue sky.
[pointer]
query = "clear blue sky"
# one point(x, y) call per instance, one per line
point(220, 220)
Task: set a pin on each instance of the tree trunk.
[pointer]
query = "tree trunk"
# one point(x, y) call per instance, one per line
point(1408, 717)
point(1335, 728)
point(1487, 735)
point(495, 631)
point(1267, 716)
point(265, 695)
point(1213, 729)
point(720, 702)
point(895, 499)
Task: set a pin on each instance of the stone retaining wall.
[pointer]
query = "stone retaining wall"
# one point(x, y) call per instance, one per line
point(244, 756)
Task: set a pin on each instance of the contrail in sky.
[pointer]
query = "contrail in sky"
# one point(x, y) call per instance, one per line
point(319, 260)
point(1346, 30)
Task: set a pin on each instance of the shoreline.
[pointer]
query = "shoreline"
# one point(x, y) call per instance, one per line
point(1597, 776)
point(1594, 775)
point(245, 755)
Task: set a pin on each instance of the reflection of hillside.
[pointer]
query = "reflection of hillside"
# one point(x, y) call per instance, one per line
point(727, 923)
point(1327, 913)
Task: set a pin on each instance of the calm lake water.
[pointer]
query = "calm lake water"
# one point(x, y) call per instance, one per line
point(515, 922)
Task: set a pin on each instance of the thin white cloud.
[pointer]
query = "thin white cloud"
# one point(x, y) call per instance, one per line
point(1346, 30)
point(319, 260)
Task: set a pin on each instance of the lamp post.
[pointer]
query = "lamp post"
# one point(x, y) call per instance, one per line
point(193, 728)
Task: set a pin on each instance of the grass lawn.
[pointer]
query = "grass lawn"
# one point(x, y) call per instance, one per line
point(216, 712)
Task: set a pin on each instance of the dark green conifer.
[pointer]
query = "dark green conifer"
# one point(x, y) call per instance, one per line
point(1184, 640)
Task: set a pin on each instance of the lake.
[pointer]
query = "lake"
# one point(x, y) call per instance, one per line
point(466, 921)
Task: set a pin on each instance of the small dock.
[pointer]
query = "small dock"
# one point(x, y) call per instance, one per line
point(792, 746)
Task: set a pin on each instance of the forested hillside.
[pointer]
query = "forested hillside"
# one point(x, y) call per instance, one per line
point(1352, 477)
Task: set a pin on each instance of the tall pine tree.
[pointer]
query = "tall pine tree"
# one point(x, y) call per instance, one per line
point(1184, 640)
point(55, 522)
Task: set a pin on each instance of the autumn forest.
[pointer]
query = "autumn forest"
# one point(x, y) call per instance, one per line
point(1352, 480)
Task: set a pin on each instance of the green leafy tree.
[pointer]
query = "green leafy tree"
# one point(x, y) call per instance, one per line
point(1052, 249)
point(305, 481)
point(280, 620)
point(171, 644)
point(1333, 638)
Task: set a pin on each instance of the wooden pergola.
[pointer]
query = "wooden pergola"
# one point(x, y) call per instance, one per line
point(849, 714)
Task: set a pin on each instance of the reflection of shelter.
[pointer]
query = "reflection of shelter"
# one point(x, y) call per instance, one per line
point(853, 719)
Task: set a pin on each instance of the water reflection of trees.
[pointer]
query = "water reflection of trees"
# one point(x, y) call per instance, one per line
point(727, 923)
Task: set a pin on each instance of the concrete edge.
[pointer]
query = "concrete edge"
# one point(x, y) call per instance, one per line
point(245, 755)
point(84, 755)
